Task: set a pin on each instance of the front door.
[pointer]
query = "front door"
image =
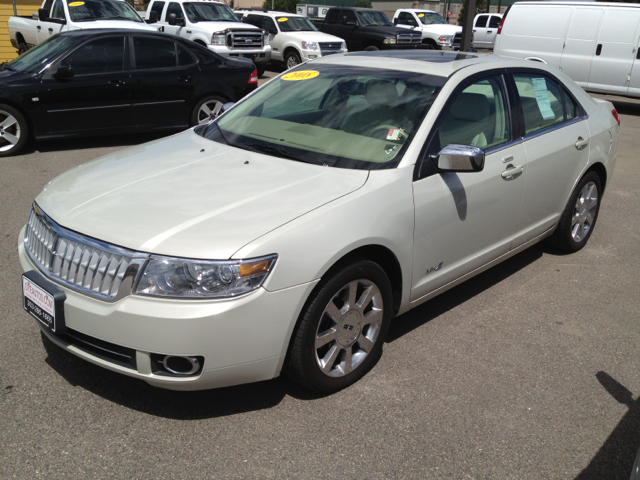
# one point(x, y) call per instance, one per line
point(55, 23)
point(96, 97)
point(464, 220)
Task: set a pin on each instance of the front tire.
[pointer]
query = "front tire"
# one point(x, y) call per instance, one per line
point(292, 59)
point(206, 110)
point(371, 48)
point(14, 131)
point(579, 216)
point(342, 329)
point(22, 48)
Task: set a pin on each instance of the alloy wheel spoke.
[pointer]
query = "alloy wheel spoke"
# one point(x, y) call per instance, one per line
point(348, 361)
point(365, 343)
point(574, 220)
point(216, 108)
point(374, 316)
point(205, 108)
point(333, 312)
point(10, 120)
point(329, 359)
point(325, 337)
point(10, 138)
point(365, 298)
point(353, 291)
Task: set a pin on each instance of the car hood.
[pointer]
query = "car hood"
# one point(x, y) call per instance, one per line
point(7, 76)
point(388, 29)
point(313, 36)
point(115, 24)
point(219, 26)
point(187, 196)
point(442, 29)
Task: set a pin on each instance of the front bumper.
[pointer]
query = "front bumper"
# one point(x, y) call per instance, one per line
point(242, 340)
point(313, 54)
point(256, 55)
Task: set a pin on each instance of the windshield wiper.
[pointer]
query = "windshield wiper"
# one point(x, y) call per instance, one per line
point(7, 67)
point(275, 151)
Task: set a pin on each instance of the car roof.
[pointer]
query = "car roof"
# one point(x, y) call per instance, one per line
point(438, 63)
point(89, 32)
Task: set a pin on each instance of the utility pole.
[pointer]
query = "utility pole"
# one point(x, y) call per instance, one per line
point(465, 42)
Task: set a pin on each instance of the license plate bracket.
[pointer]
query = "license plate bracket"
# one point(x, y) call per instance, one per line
point(44, 301)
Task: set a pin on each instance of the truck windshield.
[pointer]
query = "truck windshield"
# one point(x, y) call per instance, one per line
point(41, 56)
point(374, 18)
point(295, 24)
point(209, 12)
point(89, 10)
point(431, 18)
point(332, 115)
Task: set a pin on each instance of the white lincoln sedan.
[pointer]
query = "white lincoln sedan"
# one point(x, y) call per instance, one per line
point(285, 235)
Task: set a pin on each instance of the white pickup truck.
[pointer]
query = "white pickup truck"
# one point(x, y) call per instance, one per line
point(57, 16)
point(436, 31)
point(213, 25)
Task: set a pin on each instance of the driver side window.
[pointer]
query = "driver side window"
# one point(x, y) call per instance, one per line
point(177, 9)
point(478, 116)
point(58, 10)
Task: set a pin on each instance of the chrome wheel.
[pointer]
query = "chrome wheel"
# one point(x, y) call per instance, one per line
point(584, 212)
point(10, 131)
point(209, 111)
point(349, 327)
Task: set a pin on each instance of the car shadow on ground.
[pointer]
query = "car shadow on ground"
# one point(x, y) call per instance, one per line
point(615, 458)
point(121, 140)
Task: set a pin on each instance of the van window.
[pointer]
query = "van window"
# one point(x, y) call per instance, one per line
point(481, 22)
point(541, 101)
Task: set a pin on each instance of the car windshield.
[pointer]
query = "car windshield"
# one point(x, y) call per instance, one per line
point(374, 18)
point(333, 115)
point(295, 24)
point(431, 18)
point(41, 56)
point(89, 10)
point(209, 12)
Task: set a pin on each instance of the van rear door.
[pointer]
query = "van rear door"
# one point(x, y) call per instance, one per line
point(614, 54)
point(580, 45)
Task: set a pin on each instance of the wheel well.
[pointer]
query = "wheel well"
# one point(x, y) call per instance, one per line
point(200, 42)
point(19, 38)
point(430, 41)
point(383, 257)
point(601, 171)
point(289, 50)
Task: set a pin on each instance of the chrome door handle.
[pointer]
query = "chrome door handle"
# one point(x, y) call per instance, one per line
point(39, 27)
point(50, 31)
point(512, 171)
point(582, 142)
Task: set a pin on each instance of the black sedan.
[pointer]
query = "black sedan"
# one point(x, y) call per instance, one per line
point(95, 82)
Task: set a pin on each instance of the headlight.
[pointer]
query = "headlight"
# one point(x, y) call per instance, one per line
point(445, 38)
point(309, 45)
point(181, 278)
point(390, 41)
point(343, 46)
point(219, 38)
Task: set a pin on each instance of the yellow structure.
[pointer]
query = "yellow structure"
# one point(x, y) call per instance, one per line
point(24, 7)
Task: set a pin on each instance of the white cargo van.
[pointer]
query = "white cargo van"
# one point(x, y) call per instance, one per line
point(596, 44)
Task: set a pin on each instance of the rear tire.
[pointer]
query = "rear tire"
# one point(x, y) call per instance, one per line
point(206, 110)
point(579, 216)
point(14, 131)
point(342, 328)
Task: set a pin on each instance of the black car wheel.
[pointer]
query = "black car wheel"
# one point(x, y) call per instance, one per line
point(207, 109)
point(371, 48)
point(342, 328)
point(13, 131)
point(579, 216)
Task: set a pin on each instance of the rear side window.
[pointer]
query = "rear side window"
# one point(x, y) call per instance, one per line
point(158, 7)
point(184, 56)
point(154, 53)
point(571, 108)
point(494, 21)
point(105, 55)
point(481, 22)
point(541, 101)
point(332, 16)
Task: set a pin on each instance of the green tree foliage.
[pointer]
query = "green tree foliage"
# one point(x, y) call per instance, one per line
point(363, 3)
point(281, 5)
point(481, 7)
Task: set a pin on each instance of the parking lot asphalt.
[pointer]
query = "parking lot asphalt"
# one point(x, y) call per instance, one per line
point(530, 370)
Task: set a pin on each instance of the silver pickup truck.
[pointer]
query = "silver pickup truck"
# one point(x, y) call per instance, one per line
point(57, 16)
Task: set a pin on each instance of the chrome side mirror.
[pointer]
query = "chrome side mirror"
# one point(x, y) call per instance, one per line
point(460, 158)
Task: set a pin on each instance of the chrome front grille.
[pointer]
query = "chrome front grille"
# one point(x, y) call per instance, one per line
point(79, 262)
point(409, 38)
point(244, 39)
point(327, 48)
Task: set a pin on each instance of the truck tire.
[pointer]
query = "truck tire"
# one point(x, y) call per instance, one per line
point(22, 48)
point(261, 68)
point(429, 44)
point(371, 48)
point(292, 59)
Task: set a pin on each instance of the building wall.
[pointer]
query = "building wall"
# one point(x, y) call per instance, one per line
point(24, 7)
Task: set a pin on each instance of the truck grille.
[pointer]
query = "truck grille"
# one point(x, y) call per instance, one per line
point(457, 39)
point(409, 38)
point(327, 48)
point(244, 39)
point(79, 262)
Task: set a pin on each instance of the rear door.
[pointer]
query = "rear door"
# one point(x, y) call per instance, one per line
point(581, 43)
point(615, 50)
point(164, 76)
point(97, 96)
point(492, 29)
point(480, 31)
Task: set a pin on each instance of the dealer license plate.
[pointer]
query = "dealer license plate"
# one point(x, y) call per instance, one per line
point(44, 301)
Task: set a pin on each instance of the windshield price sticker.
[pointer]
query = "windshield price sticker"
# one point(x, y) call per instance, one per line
point(76, 4)
point(301, 75)
point(421, 15)
point(283, 19)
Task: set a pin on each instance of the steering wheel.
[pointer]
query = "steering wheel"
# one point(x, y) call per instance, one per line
point(403, 134)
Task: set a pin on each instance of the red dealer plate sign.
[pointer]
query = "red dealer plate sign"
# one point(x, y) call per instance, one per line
point(42, 304)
